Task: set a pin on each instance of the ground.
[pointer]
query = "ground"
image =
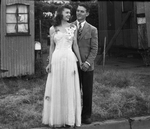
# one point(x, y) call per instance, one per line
point(26, 93)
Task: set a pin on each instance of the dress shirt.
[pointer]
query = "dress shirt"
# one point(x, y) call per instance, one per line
point(82, 23)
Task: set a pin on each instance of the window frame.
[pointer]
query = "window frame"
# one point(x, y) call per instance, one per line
point(17, 33)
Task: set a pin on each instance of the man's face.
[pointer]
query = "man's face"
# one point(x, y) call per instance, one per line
point(81, 13)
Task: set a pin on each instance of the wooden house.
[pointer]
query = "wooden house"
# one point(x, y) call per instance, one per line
point(125, 24)
point(17, 37)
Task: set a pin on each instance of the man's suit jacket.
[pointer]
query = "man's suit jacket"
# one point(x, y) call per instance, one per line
point(88, 44)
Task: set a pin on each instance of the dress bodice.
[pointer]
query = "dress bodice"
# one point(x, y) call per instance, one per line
point(64, 40)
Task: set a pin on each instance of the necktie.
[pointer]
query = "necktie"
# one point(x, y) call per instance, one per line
point(79, 30)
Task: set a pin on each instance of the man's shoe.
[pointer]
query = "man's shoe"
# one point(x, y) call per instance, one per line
point(86, 121)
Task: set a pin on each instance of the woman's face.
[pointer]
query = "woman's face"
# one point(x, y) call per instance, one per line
point(66, 14)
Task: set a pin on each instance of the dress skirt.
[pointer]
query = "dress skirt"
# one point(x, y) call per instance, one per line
point(62, 98)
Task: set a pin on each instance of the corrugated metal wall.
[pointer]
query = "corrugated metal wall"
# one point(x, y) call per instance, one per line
point(17, 52)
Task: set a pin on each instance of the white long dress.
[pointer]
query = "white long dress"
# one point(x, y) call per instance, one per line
point(62, 99)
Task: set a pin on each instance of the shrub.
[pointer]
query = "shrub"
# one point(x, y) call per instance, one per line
point(39, 68)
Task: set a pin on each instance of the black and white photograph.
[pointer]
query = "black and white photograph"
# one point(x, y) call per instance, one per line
point(74, 64)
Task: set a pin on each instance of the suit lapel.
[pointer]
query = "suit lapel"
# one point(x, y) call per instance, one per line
point(84, 30)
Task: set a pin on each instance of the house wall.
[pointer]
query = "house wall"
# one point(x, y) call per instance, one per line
point(127, 37)
point(118, 19)
point(132, 34)
point(147, 15)
point(102, 14)
point(110, 20)
point(133, 31)
point(17, 52)
point(111, 17)
point(0, 28)
point(143, 11)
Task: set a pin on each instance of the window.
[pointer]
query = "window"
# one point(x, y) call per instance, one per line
point(17, 19)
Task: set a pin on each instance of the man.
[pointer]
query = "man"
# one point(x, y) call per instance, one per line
point(88, 46)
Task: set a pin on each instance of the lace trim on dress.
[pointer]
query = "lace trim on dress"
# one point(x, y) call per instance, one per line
point(70, 30)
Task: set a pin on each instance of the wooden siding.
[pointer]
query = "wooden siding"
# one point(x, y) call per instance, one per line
point(102, 9)
point(0, 29)
point(147, 15)
point(140, 7)
point(110, 20)
point(118, 20)
point(144, 29)
point(133, 31)
point(17, 52)
point(126, 32)
point(128, 35)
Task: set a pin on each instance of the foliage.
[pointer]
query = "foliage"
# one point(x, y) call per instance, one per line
point(39, 69)
point(40, 8)
point(145, 56)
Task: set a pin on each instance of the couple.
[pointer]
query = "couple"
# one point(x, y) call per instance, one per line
point(69, 45)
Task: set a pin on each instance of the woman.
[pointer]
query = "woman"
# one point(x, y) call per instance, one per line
point(62, 99)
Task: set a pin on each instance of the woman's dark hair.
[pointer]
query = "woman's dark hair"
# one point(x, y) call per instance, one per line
point(59, 16)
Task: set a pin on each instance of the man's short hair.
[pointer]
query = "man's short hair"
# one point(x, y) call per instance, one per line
point(85, 5)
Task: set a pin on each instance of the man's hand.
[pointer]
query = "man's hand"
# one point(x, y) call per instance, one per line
point(85, 67)
point(80, 64)
point(48, 68)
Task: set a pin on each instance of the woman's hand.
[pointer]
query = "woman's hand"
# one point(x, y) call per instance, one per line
point(80, 63)
point(48, 68)
point(85, 67)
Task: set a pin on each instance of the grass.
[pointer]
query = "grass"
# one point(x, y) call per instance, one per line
point(116, 94)
point(22, 109)
point(119, 94)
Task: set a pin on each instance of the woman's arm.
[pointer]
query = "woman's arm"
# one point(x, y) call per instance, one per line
point(76, 48)
point(52, 48)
